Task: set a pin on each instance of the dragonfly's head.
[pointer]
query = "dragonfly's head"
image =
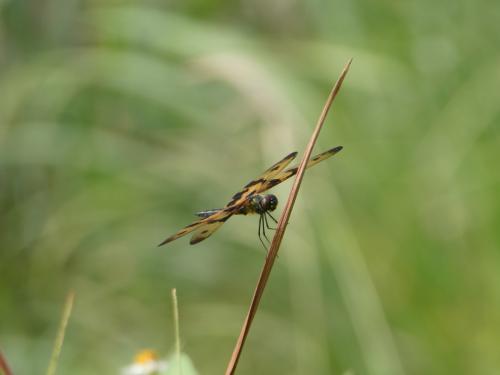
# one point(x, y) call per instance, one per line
point(260, 204)
point(269, 202)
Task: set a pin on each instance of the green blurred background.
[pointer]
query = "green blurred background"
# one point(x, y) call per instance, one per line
point(119, 119)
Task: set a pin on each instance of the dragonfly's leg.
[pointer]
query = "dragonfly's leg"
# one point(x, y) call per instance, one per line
point(272, 217)
point(261, 223)
point(267, 223)
point(264, 220)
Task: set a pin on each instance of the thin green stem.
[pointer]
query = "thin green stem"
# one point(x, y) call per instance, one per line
point(54, 359)
point(176, 330)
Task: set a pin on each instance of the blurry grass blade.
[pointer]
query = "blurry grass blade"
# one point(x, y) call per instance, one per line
point(176, 330)
point(54, 359)
point(185, 363)
point(365, 307)
point(165, 32)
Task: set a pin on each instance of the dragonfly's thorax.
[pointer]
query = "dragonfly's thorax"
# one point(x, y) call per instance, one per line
point(259, 204)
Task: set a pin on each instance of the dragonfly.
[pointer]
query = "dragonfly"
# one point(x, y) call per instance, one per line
point(248, 200)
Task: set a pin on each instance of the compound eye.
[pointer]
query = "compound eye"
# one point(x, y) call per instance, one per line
point(273, 202)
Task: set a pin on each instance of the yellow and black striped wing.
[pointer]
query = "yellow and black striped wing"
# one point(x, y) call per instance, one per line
point(285, 175)
point(256, 186)
point(203, 228)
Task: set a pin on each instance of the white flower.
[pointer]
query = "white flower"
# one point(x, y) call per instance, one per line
point(146, 362)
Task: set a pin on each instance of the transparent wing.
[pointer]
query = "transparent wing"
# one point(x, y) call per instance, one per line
point(256, 186)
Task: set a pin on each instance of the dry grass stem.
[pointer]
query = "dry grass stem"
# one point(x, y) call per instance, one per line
point(281, 227)
point(4, 366)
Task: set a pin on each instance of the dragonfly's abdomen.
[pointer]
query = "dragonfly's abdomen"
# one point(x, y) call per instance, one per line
point(207, 213)
point(255, 204)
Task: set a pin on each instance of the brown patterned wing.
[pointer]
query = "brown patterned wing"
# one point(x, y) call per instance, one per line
point(203, 227)
point(256, 186)
point(285, 175)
